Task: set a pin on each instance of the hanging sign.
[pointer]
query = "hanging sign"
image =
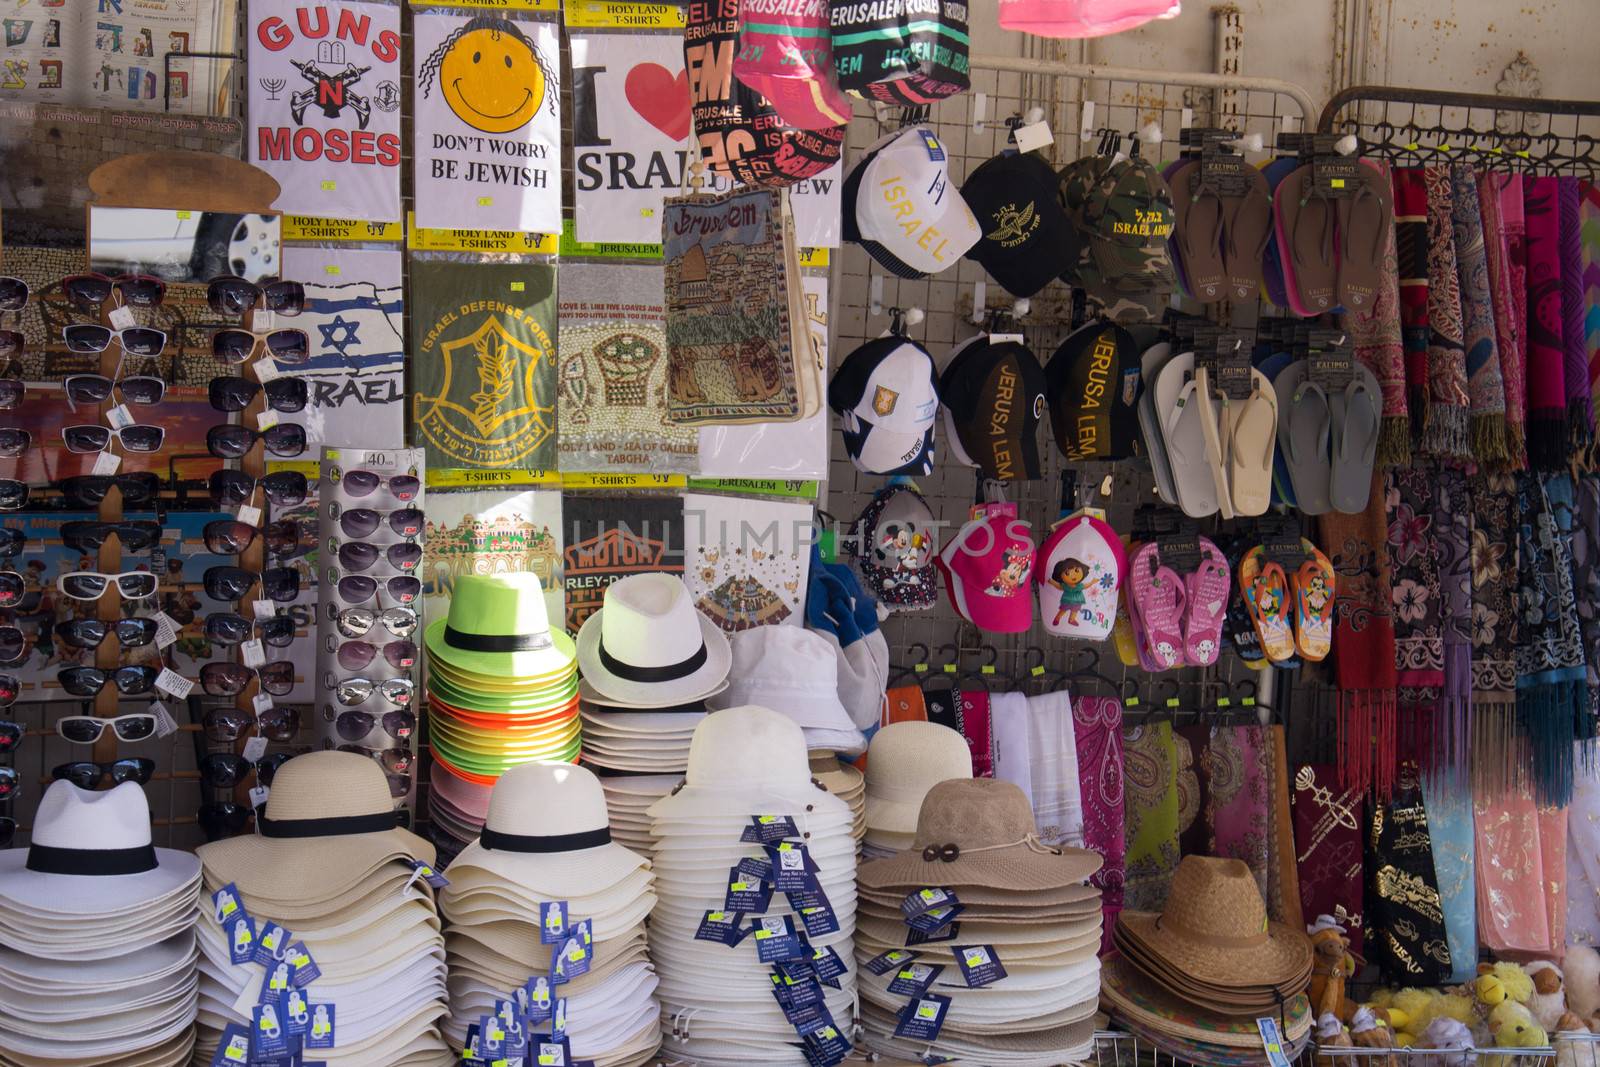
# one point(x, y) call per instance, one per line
point(325, 106)
point(488, 122)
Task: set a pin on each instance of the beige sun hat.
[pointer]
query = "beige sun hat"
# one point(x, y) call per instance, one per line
point(328, 823)
point(1215, 928)
point(752, 758)
point(979, 832)
point(904, 761)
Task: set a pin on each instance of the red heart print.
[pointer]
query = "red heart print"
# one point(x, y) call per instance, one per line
point(660, 99)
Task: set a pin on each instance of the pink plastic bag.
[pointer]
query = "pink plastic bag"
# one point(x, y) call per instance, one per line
point(1082, 18)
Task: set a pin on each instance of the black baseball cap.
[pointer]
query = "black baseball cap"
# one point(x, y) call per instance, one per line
point(1027, 241)
point(993, 394)
point(1092, 385)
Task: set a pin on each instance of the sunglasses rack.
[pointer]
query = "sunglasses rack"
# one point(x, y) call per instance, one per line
point(369, 624)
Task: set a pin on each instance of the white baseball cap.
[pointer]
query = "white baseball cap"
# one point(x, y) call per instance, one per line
point(887, 397)
point(901, 206)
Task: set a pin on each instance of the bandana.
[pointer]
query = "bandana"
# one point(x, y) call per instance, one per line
point(1575, 363)
point(1494, 631)
point(1363, 644)
point(1375, 333)
point(1097, 732)
point(1546, 353)
point(1484, 387)
point(1405, 918)
point(1327, 841)
point(1508, 326)
point(1444, 425)
point(1411, 249)
point(977, 728)
point(1150, 835)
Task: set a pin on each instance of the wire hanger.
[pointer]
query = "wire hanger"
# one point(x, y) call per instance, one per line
point(915, 669)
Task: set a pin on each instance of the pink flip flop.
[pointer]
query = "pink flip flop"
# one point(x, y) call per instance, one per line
point(1206, 593)
point(1158, 599)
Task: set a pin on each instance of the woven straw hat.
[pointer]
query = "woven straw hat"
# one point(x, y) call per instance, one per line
point(904, 761)
point(752, 757)
point(979, 831)
point(1148, 1007)
point(328, 823)
point(1214, 928)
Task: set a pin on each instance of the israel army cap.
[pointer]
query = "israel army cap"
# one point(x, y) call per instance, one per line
point(1092, 387)
point(899, 52)
point(886, 395)
point(901, 206)
point(1073, 185)
point(1128, 216)
point(1027, 242)
point(993, 393)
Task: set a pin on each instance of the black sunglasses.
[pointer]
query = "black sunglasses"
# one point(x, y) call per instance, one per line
point(356, 725)
point(364, 522)
point(10, 783)
point(232, 295)
point(360, 555)
point(88, 774)
point(12, 589)
point(143, 389)
point(232, 394)
point(284, 489)
point(13, 647)
point(226, 725)
point(90, 291)
point(230, 679)
point(91, 633)
point(90, 489)
point(228, 628)
point(232, 442)
point(234, 347)
point(14, 494)
point(394, 760)
point(232, 583)
point(10, 688)
point(355, 655)
point(358, 588)
point(88, 681)
point(13, 294)
point(87, 536)
point(14, 442)
point(12, 542)
point(223, 820)
point(12, 390)
point(87, 338)
point(11, 735)
point(362, 483)
point(87, 437)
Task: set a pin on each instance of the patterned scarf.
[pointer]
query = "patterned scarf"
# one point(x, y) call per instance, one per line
point(1451, 749)
point(1546, 353)
point(1097, 729)
point(1495, 556)
point(1237, 805)
point(1411, 266)
point(1327, 841)
point(1449, 804)
point(1363, 644)
point(1589, 237)
point(1444, 425)
point(978, 729)
point(1405, 917)
point(1574, 333)
point(1375, 333)
point(1586, 583)
point(1551, 704)
point(1513, 910)
point(1151, 832)
point(1484, 387)
point(1418, 605)
point(1283, 883)
point(1508, 323)
point(1194, 835)
point(1583, 852)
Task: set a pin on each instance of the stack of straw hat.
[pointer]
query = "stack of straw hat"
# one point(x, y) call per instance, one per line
point(1024, 904)
point(98, 964)
point(717, 999)
point(905, 760)
point(502, 690)
point(848, 784)
point(330, 866)
point(1193, 979)
point(546, 842)
point(649, 661)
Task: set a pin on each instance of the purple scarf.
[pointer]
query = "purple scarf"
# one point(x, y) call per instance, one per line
point(1547, 389)
point(1575, 365)
point(1097, 729)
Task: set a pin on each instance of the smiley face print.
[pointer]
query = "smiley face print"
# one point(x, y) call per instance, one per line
point(491, 74)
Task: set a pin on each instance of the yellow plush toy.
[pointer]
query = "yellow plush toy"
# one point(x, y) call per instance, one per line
point(1502, 981)
point(1513, 1026)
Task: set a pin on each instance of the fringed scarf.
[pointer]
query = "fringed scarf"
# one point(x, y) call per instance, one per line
point(1589, 238)
point(1411, 500)
point(1547, 390)
point(1484, 387)
point(1363, 644)
point(1411, 267)
point(1444, 426)
point(1575, 367)
point(1375, 334)
point(1508, 320)
point(1327, 841)
point(1405, 916)
point(1496, 752)
point(1586, 584)
point(1551, 703)
point(1450, 753)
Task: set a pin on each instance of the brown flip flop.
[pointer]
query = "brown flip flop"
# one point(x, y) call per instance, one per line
point(1246, 229)
point(1199, 236)
point(1306, 225)
point(1364, 220)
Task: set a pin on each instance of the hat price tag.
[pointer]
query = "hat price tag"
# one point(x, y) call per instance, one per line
point(721, 927)
point(828, 965)
point(1033, 136)
point(885, 962)
point(272, 944)
point(914, 979)
point(1272, 1042)
point(769, 829)
point(776, 939)
point(277, 980)
point(1003, 338)
point(936, 936)
point(234, 1047)
point(744, 895)
point(268, 1036)
point(428, 873)
point(794, 996)
point(828, 1044)
point(923, 1018)
point(321, 1034)
point(551, 1051)
point(491, 1038)
point(537, 995)
point(756, 870)
point(552, 922)
point(571, 960)
point(793, 869)
point(980, 964)
point(925, 900)
point(296, 1012)
point(241, 933)
point(305, 967)
point(819, 920)
point(225, 903)
point(515, 1027)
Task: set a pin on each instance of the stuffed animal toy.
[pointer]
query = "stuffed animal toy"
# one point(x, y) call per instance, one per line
point(1513, 1026)
point(1331, 1033)
point(1549, 1001)
point(1412, 1011)
point(1499, 982)
point(1452, 1038)
point(1582, 965)
point(1332, 965)
point(1369, 1031)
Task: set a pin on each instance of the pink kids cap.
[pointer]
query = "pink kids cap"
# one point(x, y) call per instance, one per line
point(1082, 18)
point(786, 55)
point(1078, 574)
point(986, 568)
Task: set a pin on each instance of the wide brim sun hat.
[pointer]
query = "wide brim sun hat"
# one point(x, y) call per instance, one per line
point(904, 761)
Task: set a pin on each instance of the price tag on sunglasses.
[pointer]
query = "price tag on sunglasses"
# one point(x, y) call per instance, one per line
point(119, 417)
point(166, 726)
point(258, 795)
point(253, 652)
point(173, 684)
point(261, 703)
point(266, 369)
point(121, 318)
point(166, 630)
point(265, 321)
point(249, 514)
point(106, 463)
point(254, 748)
point(263, 609)
point(266, 419)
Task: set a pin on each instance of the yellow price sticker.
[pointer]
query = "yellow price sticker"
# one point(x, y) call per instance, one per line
point(329, 185)
point(185, 215)
point(486, 201)
point(332, 268)
point(517, 287)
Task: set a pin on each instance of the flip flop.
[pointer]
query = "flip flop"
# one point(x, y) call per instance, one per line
point(1158, 605)
point(1183, 432)
point(1266, 594)
point(1246, 229)
point(1206, 593)
point(1216, 423)
point(1282, 487)
point(1355, 418)
point(1253, 446)
point(1122, 631)
point(1155, 357)
point(1272, 258)
point(1313, 604)
point(1304, 433)
point(1364, 222)
point(1305, 222)
point(1169, 174)
point(1198, 237)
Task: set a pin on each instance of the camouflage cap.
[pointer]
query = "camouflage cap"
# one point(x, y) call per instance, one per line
point(1129, 216)
point(1074, 183)
point(1121, 307)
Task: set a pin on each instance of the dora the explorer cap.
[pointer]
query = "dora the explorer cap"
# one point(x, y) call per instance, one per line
point(993, 393)
point(1027, 241)
point(901, 206)
point(1092, 386)
point(886, 395)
